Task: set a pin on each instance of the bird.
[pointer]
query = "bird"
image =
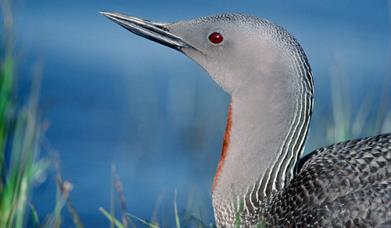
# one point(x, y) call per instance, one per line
point(262, 178)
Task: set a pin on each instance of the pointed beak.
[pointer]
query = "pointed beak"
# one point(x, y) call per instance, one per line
point(154, 31)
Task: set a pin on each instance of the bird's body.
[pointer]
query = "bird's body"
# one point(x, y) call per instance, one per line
point(347, 184)
point(260, 179)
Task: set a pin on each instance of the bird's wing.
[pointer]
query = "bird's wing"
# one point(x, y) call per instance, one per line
point(342, 184)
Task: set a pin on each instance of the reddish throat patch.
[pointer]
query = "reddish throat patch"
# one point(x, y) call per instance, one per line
point(227, 138)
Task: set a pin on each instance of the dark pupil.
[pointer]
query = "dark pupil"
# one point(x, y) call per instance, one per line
point(215, 38)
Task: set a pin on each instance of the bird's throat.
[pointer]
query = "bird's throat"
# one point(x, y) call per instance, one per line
point(266, 124)
point(226, 142)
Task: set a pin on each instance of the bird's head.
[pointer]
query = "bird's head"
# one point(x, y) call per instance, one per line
point(232, 48)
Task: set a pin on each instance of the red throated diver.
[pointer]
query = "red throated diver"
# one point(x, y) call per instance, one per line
point(260, 177)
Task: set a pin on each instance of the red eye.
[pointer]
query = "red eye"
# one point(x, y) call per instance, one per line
point(216, 38)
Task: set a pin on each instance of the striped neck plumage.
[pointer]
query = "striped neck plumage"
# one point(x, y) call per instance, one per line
point(267, 124)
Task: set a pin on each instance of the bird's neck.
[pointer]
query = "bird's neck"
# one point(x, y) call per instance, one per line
point(266, 127)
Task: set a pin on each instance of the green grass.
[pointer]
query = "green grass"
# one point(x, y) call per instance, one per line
point(348, 123)
point(20, 132)
point(20, 136)
point(5, 105)
point(23, 169)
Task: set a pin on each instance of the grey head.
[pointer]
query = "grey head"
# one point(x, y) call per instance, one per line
point(246, 42)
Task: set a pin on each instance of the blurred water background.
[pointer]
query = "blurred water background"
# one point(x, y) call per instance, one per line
point(110, 98)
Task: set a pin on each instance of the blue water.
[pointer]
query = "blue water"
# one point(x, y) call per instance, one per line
point(112, 98)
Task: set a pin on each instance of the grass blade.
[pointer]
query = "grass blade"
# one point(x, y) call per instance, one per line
point(111, 218)
point(150, 225)
point(177, 222)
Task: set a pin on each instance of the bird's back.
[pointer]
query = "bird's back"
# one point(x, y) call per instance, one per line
point(347, 184)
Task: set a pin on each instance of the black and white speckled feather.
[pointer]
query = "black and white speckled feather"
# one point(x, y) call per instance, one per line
point(347, 184)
